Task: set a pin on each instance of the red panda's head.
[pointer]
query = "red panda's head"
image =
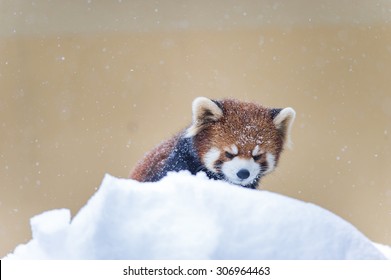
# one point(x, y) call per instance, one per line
point(239, 141)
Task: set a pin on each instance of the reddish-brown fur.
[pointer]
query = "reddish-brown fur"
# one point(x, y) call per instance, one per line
point(153, 160)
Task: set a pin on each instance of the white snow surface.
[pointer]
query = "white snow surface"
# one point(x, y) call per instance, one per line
point(191, 217)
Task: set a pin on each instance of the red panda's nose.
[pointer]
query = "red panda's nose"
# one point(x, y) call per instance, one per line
point(243, 174)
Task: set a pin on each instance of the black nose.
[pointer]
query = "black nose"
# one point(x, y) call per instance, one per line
point(243, 174)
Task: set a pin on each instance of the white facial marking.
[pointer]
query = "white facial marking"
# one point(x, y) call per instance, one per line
point(231, 168)
point(257, 151)
point(271, 163)
point(211, 157)
point(233, 149)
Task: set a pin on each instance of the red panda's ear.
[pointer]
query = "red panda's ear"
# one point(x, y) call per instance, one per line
point(205, 111)
point(283, 120)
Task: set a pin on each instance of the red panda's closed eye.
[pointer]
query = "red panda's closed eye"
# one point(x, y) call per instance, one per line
point(256, 158)
point(229, 155)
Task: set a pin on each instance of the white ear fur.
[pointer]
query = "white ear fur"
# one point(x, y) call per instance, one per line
point(283, 122)
point(204, 111)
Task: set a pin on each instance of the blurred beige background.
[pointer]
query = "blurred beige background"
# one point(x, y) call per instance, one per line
point(87, 87)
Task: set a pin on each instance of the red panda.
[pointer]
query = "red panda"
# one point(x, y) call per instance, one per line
point(238, 142)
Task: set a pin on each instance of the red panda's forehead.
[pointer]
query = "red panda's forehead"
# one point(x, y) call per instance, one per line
point(246, 138)
point(246, 125)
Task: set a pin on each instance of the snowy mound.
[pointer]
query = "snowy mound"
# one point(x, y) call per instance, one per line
point(192, 217)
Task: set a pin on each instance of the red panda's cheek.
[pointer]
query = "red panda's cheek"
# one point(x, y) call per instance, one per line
point(210, 158)
point(270, 163)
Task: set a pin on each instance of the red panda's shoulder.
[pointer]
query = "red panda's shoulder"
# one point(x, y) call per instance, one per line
point(154, 160)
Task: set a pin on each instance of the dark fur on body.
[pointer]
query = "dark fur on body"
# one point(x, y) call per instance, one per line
point(180, 154)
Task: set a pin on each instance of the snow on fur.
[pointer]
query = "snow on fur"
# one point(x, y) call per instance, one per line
point(191, 217)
